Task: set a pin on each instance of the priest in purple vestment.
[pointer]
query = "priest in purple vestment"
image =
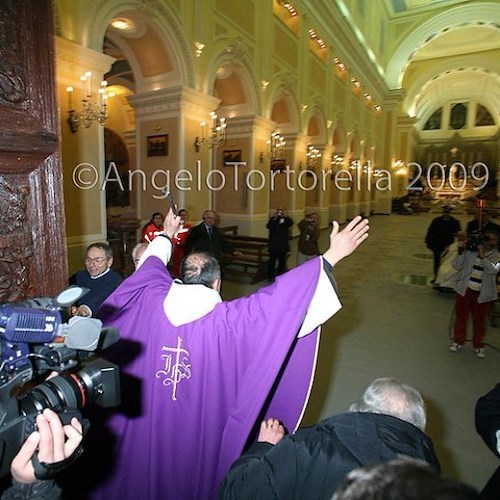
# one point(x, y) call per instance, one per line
point(204, 372)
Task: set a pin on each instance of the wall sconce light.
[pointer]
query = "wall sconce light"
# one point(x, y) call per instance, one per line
point(312, 156)
point(336, 160)
point(276, 145)
point(198, 48)
point(214, 136)
point(90, 110)
point(264, 84)
point(399, 167)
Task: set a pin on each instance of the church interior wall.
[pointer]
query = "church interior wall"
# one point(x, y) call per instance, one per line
point(264, 49)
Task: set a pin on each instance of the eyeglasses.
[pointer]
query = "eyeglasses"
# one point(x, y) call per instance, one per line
point(97, 260)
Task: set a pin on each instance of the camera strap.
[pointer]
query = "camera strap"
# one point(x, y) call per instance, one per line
point(44, 470)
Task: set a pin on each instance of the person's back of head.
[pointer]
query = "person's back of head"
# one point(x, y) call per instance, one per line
point(200, 269)
point(391, 397)
point(404, 479)
point(137, 252)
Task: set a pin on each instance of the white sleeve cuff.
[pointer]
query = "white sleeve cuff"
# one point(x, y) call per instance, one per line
point(160, 247)
point(323, 306)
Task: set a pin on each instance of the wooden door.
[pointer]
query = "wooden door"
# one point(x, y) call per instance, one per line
point(32, 234)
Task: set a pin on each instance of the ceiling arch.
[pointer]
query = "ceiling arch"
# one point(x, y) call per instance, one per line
point(232, 64)
point(455, 85)
point(453, 17)
point(163, 35)
point(419, 79)
point(281, 96)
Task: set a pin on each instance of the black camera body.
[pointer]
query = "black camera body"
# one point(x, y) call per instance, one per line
point(34, 342)
point(474, 240)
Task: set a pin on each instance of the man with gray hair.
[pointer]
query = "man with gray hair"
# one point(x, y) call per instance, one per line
point(386, 423)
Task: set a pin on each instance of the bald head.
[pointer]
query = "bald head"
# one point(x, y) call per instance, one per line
point(201, 269)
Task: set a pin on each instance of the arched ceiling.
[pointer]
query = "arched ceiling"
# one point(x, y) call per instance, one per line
point(459, 63)
point(140, 52)
point(468, 39)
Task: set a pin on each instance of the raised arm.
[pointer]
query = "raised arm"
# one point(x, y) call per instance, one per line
point(160, 246)
point(343, 243)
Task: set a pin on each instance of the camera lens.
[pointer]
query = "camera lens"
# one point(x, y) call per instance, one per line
point(97, 382)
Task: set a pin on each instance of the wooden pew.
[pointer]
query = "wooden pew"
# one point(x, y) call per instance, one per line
point(254, 259)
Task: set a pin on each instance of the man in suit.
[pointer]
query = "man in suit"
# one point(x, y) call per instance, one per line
point(206, 237)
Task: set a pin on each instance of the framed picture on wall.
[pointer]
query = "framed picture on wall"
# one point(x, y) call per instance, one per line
point(278, 165)
point(231, 155)
point(157, 145)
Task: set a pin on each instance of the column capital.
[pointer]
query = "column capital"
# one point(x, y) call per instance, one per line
point(393, 98)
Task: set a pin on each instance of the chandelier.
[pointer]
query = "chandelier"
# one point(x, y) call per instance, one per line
point(214, 135)
point(90, 111)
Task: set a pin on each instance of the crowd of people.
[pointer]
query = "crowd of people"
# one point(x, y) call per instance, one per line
point(213, 391)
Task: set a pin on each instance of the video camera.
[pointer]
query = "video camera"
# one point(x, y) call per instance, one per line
point(35, 341)
point(474, 240)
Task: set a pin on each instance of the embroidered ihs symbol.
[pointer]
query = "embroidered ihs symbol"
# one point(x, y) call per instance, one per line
point(177, 367)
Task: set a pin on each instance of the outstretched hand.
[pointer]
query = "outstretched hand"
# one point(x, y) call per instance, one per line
point(343, 243)
point(54, 442)
point(171, 224)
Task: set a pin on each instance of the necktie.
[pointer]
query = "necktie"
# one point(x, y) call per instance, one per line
point(209, 229)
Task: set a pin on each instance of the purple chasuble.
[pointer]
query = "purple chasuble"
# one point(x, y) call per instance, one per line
point(203, 385)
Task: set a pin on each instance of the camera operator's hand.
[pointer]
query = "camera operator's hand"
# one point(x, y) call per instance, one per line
point(53, 441)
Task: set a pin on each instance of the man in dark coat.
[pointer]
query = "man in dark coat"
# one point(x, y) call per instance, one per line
point(279, 233)
point(206, 237)
point(440, 235)
point(482, 223)
point(387, 423)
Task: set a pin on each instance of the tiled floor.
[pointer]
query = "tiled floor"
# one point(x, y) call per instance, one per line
point(390, 327)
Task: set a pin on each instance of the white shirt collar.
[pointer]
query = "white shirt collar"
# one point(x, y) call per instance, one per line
point(100, 275)
point(186, 303)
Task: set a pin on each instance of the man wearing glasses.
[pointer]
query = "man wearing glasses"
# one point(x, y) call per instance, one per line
point(97, 276)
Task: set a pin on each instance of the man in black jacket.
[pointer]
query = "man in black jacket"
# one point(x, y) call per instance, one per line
point(386, 423)
point(279, 235)
point(206, 237)
point(440, 235)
